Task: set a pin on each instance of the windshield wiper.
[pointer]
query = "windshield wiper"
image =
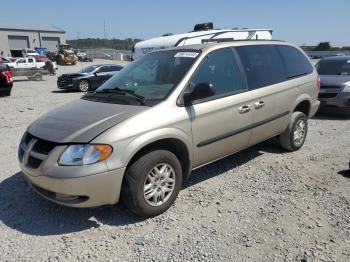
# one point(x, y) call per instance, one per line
point(118, 90)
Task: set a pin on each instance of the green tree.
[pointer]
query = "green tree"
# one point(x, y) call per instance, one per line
point(323, 46)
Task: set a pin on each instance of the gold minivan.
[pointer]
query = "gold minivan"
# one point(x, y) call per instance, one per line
point(139, 135)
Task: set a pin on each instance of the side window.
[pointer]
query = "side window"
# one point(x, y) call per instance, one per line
point(21, 61)
point(103, 69)
point(30, 60)
point(263, 65)
point(296, 63)
point(114, 68)
point(221, 70)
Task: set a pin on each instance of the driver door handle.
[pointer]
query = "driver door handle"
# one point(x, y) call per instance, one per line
point(244, 109)
point(259, 104)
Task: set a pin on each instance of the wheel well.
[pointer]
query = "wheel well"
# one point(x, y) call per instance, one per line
point(173, 145)
point(304, 107)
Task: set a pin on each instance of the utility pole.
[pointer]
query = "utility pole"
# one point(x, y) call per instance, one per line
point(104, 28)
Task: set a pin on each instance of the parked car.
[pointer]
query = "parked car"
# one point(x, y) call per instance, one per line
point(89, 78)
point(335, 83)
point(139, 135)
point(29, 52)
point(27, 63)
point(6, 80)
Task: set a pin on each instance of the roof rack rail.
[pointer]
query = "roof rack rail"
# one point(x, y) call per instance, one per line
point(219, 40)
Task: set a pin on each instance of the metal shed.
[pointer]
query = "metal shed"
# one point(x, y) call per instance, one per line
point(14, 38)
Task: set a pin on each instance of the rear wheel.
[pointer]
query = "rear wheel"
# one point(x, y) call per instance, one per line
point(38, 77)
point(294, 136)
point(152, 183)
point(84, 85)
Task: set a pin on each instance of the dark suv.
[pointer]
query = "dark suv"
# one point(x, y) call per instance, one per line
point(89, 78)
point(6, 80)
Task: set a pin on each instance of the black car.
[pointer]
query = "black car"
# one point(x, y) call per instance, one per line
point(6, 80)
point(89, 78)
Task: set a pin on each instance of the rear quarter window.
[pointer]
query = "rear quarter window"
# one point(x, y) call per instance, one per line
point(262, 64)
point(295, 62)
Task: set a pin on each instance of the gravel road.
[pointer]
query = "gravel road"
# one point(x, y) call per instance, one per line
point(262, 204)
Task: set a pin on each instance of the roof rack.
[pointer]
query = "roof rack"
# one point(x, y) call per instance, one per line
point(219, 40)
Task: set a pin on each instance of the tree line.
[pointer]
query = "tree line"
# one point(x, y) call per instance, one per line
point(92, 43)
point(325, 46)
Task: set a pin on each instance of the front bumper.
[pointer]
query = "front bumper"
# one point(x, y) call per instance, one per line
point(340, 100)
point(88, 191)
point(65, 85)
point(75, 186)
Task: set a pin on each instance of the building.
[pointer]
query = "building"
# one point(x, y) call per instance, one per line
point(13, 38)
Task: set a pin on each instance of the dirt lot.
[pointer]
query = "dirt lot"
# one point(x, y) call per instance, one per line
point(262, 204)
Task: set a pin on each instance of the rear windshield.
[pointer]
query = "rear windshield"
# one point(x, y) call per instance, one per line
point(334, 67)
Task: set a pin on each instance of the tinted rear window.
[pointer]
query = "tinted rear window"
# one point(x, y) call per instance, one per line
point(296, 63)
point(263, 65)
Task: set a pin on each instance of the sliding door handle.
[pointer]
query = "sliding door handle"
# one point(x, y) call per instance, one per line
point(259, 104)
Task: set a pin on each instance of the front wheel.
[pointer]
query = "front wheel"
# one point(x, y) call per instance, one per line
point(294, 136)
point(83, 85)
point(152, 183)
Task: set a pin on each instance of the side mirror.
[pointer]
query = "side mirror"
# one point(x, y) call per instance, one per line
point(96, 74)
point(200, 91)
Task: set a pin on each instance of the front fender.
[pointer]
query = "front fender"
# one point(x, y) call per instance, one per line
point(126, 150)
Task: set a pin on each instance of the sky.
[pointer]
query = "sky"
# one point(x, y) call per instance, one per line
point(296, 21)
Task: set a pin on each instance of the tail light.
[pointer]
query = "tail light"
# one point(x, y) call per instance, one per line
point(318, 82)
point(8, 76)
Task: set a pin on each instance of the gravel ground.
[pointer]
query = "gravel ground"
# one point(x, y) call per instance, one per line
point(262, 204)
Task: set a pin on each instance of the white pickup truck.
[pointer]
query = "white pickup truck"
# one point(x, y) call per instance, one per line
point(28, 63)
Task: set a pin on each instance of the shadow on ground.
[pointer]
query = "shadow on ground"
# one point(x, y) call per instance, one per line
point(332, 114)
point(23, 210)
point(345, 173)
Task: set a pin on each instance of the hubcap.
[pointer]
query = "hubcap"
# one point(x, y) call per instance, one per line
point(159, 184)
point(84, 86)
point(299, 132)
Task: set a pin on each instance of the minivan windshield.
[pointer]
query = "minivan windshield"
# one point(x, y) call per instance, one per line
point(334, 67)
point(152, 77)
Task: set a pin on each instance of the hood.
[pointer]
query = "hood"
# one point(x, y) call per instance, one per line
point(334, 80)
point(72, 75)
point(81, 121)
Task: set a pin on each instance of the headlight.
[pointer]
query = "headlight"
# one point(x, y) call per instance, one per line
point(77, 155)
point(347, 88)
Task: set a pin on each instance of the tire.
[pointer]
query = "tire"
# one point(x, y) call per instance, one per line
point(38, 77)
point(289, 139)
point(84, 85)
point(139, 175)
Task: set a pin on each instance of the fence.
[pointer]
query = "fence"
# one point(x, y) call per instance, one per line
point(321, 54)
point(112, 54)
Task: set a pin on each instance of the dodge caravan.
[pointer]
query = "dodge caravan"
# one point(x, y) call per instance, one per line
point(138, 136)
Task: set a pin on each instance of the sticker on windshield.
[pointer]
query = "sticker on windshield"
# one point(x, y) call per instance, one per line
point(186, 54)
point(348, 61)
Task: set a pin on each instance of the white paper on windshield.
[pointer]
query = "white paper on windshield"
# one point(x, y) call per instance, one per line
point(348, 61)
point(186, 54)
